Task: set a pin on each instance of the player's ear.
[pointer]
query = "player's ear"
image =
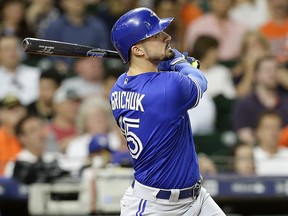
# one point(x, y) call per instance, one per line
point(137, 50)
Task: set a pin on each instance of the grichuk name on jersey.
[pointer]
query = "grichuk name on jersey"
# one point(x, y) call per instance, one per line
point(127, 100)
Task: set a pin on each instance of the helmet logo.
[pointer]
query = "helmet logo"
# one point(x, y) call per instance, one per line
point(148, 25)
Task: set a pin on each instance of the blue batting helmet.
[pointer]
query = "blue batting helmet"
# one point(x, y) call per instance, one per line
point(134, 26)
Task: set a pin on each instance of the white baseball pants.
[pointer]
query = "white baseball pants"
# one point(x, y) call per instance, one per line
point(141, 201)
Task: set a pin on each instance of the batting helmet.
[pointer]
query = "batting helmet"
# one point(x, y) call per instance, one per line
point(134, 26)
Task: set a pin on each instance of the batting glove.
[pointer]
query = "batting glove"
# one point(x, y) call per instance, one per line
point(192, 61)
point(171, 65)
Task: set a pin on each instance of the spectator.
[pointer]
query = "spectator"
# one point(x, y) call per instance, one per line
point(49, 82)
point(109, 80)
point(218, 76)
point(110, 10)
point(170, 8)
point(243, 161)
point(276, 29)
point(17, 78)
point(206, 165)
point(121, 156)
point(113, 69)
point(217, 23)
point(94, 118)
point(220, 85)
point(11, 112)
point(99, 153)
point(89, 79)
point(203, 117)
point(31, 164)
point(39, 14)
point(190, 11)
point(270, 159)
point(265, 96)
point(283, 77)
point(283, 141)
point(76, 26)
point(253, 47)
point(13, 21)
point(63, 126)
point(252, 13)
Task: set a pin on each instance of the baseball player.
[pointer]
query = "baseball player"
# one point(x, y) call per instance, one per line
point(150, 103)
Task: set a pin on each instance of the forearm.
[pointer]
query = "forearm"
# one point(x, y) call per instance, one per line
point(194, 74)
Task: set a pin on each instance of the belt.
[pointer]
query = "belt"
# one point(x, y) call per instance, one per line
point(193, 192)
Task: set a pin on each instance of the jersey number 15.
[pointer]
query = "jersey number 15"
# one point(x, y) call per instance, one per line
point(134, 144)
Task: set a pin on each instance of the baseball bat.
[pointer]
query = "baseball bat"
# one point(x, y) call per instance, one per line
point(64, 49)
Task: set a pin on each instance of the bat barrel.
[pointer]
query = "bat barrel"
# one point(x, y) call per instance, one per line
point(64, 49)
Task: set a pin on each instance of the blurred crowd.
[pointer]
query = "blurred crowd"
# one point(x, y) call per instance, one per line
point(55, 116)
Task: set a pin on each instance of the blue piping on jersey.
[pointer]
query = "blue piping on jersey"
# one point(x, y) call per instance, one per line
point(194, 74)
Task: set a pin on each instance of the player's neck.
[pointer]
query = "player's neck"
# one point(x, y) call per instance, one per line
point(138, 67)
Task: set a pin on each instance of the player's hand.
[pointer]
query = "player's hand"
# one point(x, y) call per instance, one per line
point(171, 65)
point(192, 61)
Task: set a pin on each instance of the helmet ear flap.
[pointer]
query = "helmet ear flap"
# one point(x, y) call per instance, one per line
point(134, 26)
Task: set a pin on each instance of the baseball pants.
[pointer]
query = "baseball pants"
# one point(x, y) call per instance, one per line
point(141, 201)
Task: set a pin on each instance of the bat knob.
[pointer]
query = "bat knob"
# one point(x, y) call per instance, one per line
point(25, 43)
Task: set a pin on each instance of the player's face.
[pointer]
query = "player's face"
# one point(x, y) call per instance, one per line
point(157, 48)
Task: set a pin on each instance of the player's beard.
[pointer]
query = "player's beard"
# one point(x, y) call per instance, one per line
point(168, 54)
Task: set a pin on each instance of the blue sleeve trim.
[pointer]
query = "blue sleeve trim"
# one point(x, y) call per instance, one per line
point(196, 76)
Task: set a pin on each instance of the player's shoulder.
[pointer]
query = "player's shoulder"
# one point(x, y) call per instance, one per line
point(168, 75)
point(158, 79)
point(173, 83)
point(162, 79)
point(172, 76)
point(120, 80)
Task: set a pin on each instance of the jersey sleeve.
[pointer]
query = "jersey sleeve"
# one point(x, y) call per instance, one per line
point(184, 89)
point(195, 75)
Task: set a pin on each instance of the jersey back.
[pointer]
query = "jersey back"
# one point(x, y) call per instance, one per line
point(151, 110)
